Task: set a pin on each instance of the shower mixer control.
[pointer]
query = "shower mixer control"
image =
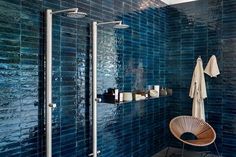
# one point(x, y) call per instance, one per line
point(52, 105)
point(98, 152)
point(98, 100)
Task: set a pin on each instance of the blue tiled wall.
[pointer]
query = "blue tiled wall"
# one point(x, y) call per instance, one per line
point(160, 47)
point(128, 59)
point(203, 28)
point(138, 60)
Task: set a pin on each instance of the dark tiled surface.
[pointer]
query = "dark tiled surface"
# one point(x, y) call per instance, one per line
point(204, 28)
point(128, 59)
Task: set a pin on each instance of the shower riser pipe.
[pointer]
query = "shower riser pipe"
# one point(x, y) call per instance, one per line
point(94, 84)
point(49, 83)
point(73, 13)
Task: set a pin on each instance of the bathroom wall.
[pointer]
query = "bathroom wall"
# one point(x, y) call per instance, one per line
point(204, 28)
point(128, 59)
point(138, 60)
point(160, 47)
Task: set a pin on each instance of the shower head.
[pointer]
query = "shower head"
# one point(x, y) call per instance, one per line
point(76, 14)
point(72, 12)
point(121, 26)
point(118, 24)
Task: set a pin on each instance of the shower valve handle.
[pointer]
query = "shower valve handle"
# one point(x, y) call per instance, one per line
point(98, 152)
point(52, 105)
point(98, 100)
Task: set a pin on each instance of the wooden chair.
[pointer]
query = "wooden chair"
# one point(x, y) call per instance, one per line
point(204, 133)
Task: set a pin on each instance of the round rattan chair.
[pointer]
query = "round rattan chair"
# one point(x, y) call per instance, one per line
point(203, 132)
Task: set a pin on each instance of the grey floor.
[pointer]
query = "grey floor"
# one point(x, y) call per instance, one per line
point(175, 152)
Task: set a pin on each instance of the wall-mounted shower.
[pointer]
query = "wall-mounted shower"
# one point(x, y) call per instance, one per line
point(117, 25)
point(73, 13)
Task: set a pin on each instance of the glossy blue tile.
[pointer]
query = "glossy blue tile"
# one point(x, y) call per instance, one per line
point(204, 34)
point(123, 62)
point(160, 47)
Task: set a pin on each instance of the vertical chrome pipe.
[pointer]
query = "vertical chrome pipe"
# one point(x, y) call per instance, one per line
point(94, 101)
point(49, 83)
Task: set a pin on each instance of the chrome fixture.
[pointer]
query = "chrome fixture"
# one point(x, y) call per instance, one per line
point(95, 100)
point(73, 12)
point(118, 24)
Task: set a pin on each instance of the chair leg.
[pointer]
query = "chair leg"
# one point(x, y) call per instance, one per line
point(217, 149)
point(167, 151)
point(183, 151)
point(205, 154)
point(169, 142)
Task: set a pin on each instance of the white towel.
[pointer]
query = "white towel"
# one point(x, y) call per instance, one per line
point(212, 68)
point(198, 91)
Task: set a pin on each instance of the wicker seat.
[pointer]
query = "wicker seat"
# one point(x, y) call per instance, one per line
point(204, 133)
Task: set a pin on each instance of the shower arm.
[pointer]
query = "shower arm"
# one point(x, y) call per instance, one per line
point(65, 10)
point(112, 22)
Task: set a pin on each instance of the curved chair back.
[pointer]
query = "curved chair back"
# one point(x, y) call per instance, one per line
point(187, 124)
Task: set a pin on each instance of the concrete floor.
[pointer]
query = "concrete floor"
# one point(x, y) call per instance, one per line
point(176, 152)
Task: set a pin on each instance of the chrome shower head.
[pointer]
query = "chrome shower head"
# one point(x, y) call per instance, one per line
point(118, 24)
point(76, 14)
point(72, 12)
point(121, 26)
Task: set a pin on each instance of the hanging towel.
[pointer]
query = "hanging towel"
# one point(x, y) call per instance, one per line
point(198, 91)
point(212, 68)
